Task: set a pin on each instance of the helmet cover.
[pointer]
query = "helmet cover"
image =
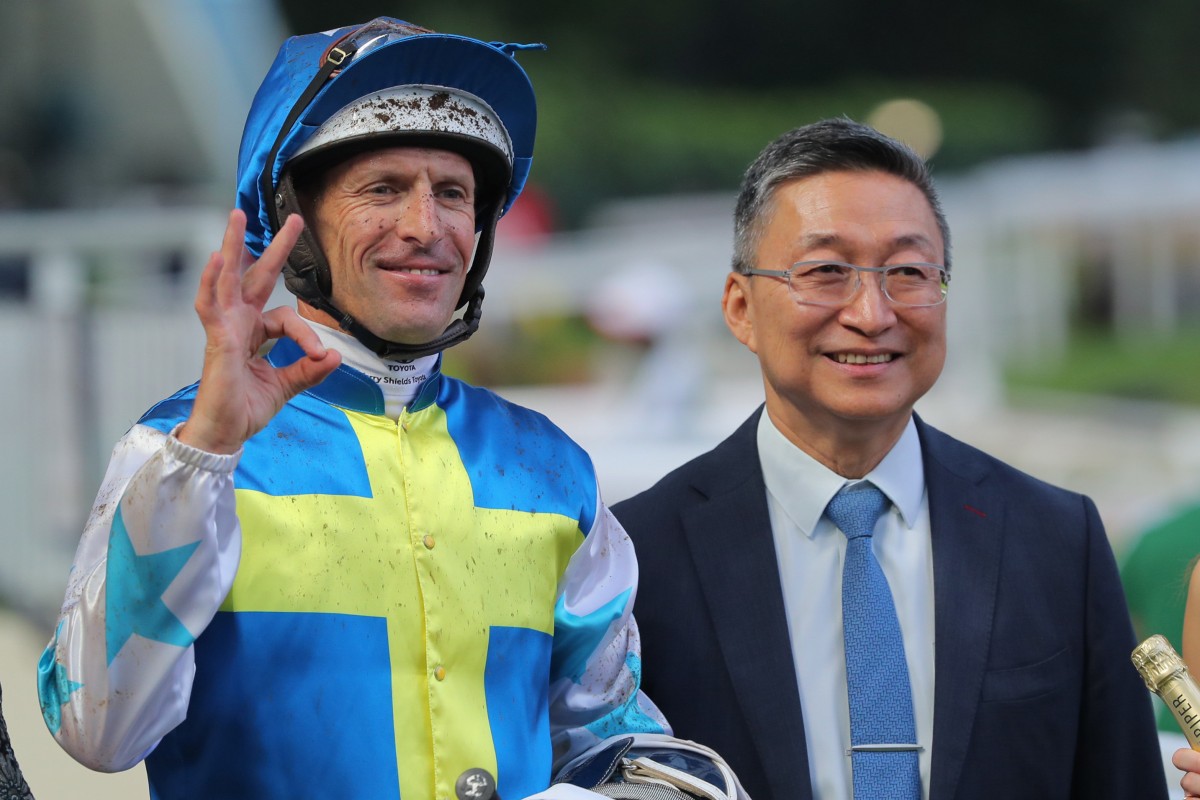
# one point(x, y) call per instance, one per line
point(315, 101)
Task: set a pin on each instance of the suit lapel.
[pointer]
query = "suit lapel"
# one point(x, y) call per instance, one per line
point(966, 523)
point(731, 546)
point(728, 533)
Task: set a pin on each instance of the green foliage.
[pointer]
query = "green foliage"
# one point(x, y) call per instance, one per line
point(1140, 366)
point(546, 349)
point(666, 97)
point(620, 138)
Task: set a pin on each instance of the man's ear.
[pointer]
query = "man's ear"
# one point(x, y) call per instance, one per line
point(738, 307)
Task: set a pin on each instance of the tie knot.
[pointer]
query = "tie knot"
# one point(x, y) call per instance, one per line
point(855, 509)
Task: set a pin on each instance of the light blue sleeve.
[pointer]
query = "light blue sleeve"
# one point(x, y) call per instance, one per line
point(157, 557)
point(596, 670)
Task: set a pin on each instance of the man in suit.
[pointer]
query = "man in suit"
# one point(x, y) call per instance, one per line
point(978, 644)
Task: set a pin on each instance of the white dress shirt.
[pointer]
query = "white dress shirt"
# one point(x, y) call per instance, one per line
point(810, 552)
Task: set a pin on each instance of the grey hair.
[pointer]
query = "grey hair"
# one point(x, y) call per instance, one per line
point(830, 145)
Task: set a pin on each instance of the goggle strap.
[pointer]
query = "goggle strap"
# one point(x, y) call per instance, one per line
point(342, 52)
point(459, 330)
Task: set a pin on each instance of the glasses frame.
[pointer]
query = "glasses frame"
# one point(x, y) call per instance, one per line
point(786, 274)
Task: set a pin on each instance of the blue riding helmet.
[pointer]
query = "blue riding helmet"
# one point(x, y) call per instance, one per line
point(465, 95)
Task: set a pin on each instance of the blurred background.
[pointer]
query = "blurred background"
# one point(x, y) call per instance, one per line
point(1063, 134)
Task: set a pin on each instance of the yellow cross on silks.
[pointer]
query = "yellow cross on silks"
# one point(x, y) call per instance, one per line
point(420, 554)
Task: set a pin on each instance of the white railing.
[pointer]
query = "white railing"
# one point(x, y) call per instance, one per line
point(106, 329)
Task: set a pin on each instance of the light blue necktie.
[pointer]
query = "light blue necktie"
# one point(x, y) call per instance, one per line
point(883, 734)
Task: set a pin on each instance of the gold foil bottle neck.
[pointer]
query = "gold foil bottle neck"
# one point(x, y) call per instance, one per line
point(1167, 676)
point(1157, 662)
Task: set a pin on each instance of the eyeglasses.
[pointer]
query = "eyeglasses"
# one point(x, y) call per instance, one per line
point(833, 283)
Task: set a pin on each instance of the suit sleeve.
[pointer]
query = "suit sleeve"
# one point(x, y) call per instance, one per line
point(1118, 753)
point(596, 669)
point(156, 560)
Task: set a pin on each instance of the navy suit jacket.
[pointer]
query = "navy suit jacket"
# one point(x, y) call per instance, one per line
point(1035, 694)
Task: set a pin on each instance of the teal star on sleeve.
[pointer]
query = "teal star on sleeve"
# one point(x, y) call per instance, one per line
point(577, 637)
point(54, 687)
point(628, 717)
point(134, 587)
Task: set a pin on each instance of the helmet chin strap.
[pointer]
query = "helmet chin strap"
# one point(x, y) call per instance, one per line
point(458, 331)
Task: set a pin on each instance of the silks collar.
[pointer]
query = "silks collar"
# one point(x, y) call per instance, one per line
point(349, 388)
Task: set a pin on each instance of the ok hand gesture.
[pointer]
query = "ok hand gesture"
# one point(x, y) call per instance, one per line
point(239, 390)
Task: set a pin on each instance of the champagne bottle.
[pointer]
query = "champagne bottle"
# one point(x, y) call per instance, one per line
point(1167, 676)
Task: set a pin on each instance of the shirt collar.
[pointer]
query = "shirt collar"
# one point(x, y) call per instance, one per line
point(399, 383)
point(354, 388)
point(803, 487)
